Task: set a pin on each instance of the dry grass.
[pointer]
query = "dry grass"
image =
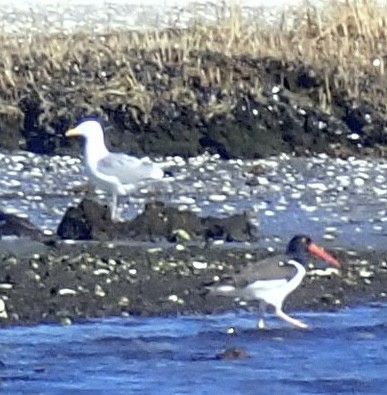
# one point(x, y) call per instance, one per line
point(339, 40)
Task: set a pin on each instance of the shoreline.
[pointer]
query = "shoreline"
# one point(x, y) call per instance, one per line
point(75, 282)
point(312, 84)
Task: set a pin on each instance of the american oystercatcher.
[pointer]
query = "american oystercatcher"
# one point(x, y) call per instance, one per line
point(272, 279)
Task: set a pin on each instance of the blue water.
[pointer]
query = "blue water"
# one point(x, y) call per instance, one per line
point(343, 353)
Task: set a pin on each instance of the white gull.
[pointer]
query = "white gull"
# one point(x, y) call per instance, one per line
point(116, 173)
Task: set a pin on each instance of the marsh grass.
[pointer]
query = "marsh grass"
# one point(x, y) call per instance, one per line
point(344, 41)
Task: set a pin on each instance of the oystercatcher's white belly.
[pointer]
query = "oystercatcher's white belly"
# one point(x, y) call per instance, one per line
point(274, 292)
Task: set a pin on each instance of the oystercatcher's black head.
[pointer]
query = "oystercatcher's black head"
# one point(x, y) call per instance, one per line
point(301, 245)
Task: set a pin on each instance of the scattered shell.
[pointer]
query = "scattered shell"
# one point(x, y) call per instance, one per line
point(154, 250)
point(345, 181)
point(98, 291)
point(66, 291)
point(6, 286)
point(217, 198)
point(308, 209)
point(231, 331)
point(364, 273)
point(329, 237)
point(359, 182)
point(330, 229)
point(329, 271)
point(199, 265)
point(353, 136)
point(65, 321)
point(100, 272)
point(11, 261)
point(269, 213)
point(182, 234)
point(112, 262)
point(184, 200)
point(123, 301)
point(263, 181)
point(69, 241)
point(173, 298)
point(317, 186)
point(229, 208)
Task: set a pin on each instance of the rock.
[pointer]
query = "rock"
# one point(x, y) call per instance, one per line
point(91, 221)
point(12, 225)
point(233, 353)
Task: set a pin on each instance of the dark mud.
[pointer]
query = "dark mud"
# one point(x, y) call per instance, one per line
point(159, 264)
point(91, 221)
point(254, 108)
point(78, 281)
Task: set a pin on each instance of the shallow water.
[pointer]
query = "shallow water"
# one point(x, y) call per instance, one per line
point(343, 353)
point(343, 201)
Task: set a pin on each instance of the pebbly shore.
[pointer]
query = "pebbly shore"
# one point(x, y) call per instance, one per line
point(231, 88)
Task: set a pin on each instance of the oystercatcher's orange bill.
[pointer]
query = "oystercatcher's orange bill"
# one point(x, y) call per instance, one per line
point(321, 253)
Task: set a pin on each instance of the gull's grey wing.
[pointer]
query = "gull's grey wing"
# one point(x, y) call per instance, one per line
point(128, 169)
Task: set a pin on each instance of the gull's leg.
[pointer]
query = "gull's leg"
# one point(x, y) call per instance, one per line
point(113, 207)
point(91, 189)
point(262, 309)
point(297, 323)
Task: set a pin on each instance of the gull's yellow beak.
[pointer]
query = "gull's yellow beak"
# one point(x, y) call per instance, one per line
point(72, 132)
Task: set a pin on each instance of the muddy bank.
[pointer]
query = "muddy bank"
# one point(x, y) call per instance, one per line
point(161, 99)
point(79, 281)
point(91, 220)
point(157, 264)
